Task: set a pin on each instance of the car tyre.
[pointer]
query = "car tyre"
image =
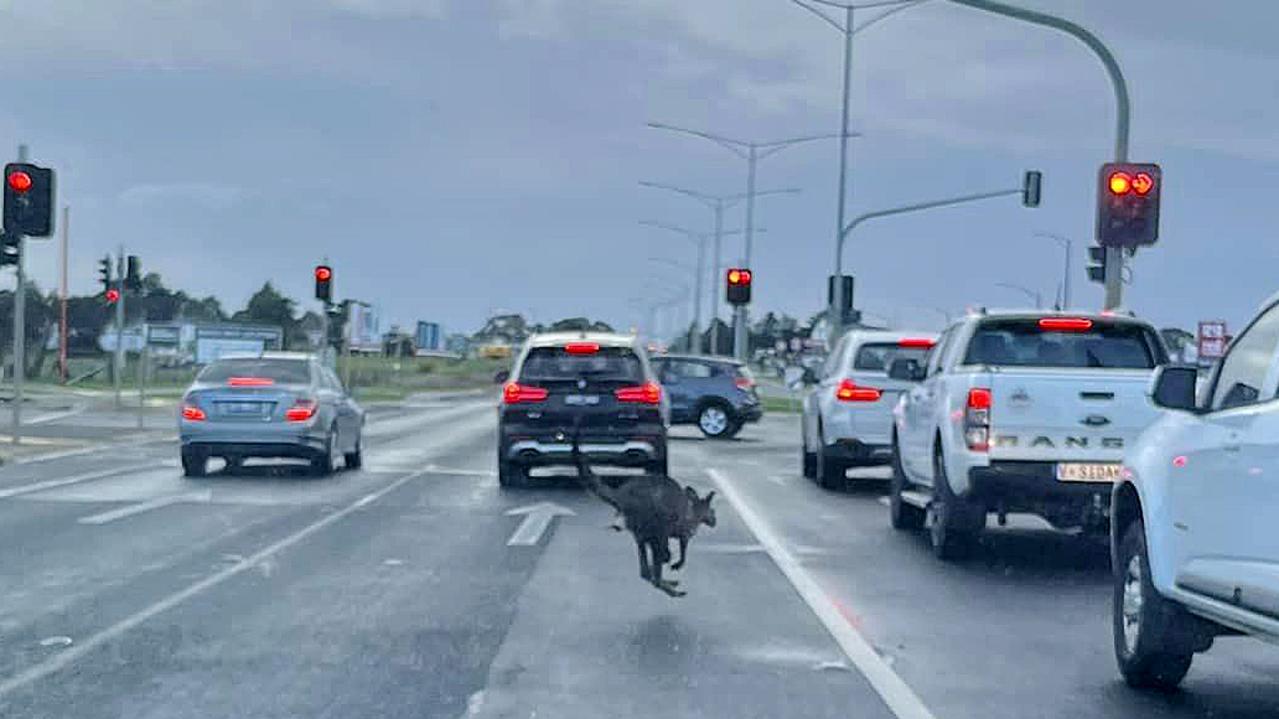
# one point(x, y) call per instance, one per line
point(808, 460)
point(953, 531)
point(194, 463)
point(325, 463)
point(1150, 653)
point(831, 470)
point(355, 458)
point(903, 516)
point(511, 475)
point(716, 421)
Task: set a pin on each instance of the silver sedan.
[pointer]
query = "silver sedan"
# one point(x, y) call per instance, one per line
point(270, 405)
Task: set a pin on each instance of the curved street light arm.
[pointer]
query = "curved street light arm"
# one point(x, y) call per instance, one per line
point(888, 13)
point(729, 143)
point(830, 21)
point(921, 206)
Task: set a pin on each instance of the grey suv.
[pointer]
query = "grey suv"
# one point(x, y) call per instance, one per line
point(718, 395)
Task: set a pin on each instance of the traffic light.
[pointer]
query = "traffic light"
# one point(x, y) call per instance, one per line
point(104, 273)
point(1030, 188)
point(848, 292)
point(113, 296)
point(324, 284)
point(1128, 204)
point(10, 249)
point(133, 273)
point(1097, 264)
point(739, 286)
point(28, 200)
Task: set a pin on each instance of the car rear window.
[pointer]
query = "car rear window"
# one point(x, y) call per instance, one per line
point(878, 356)
point(608, 364)
point(278, 371)
point(1024, 343)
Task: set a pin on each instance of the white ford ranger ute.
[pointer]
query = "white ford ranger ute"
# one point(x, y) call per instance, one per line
point(1019, 412)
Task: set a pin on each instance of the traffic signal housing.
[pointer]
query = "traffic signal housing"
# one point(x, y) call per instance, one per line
point(738, 285)
point(104, 273)
point(1128, 204)
point(324, 284)
point(1097, 264)
point(1030, 188)
point(10, 249)
point(133, 273)
point(28, 200)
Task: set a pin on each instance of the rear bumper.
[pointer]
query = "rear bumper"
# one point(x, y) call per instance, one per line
point(750, 413)
point(258, 441)
point(301, 450)
point(622, 453)
point(859, 453)
point(1033, 487)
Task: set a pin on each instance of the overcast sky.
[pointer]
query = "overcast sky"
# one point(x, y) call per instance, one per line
point(454, 157)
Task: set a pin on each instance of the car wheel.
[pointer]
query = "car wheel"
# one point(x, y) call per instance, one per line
point(808, 460)
point(953, 531)
point(355, 458)
point(902, 515)
point(830, 470)
point(1144, 622)
point(194, 463)
point(509, 474)
point(714, 421)
point(325, 463)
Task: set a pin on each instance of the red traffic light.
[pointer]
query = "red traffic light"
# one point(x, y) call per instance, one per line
point(1142, 183)
point(1120, 183)
point(113, 296)
point(323, 273)
point(739, 277)
point(19, 181)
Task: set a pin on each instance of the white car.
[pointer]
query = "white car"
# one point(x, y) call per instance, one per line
point(848, 415)
point(1019, 412)
point(1194, 550)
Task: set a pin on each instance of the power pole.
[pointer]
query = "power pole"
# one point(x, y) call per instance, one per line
point(19, 328)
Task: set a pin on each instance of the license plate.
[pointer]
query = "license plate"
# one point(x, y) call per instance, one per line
point(1088, 471)
point(582, 400)
point(242, 407)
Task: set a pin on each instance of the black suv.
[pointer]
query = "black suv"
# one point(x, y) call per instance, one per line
point(598, 384)
point(715, 393)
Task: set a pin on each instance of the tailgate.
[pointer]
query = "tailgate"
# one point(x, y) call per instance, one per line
point(1067, 414)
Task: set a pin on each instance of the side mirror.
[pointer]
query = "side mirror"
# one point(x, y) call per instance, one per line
point(906, 370)
point(501, 376)
point(1173, 387)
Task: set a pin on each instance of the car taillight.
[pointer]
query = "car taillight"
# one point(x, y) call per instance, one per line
point(743, 383)
point(514, 393)
point(301, 411)
point(250, 381)
point(647, 393)
point(977, 419)
point(849, 391)
point(191, 413)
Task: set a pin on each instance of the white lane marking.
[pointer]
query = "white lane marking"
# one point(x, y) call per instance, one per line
point(433, 469)
point(147, 506)
point(64, 659)
point(53, 416)
point(101, 447)
point(537, 519)
point(899, 697)
point(76, 479)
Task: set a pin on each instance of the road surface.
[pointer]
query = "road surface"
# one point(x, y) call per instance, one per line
point(415, 588)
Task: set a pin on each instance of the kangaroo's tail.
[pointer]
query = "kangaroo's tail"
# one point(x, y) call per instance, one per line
point(584, 472)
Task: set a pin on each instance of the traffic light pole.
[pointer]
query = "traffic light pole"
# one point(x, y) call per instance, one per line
point(118, 362)
point(19, 327)
point(1114, 255)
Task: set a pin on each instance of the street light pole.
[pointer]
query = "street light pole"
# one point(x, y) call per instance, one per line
point(752, 152)
point(1114, 255)
point(1068, 246)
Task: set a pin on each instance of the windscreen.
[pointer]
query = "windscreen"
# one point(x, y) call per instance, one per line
point(608, 364)
point(277, 371)
point(879, 356)
point(1024, 343)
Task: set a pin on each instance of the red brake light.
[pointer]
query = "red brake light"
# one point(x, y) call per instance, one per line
point(919, 342)
point(301, 411)
point(582, 348)
point(979, 398)
point(191, 413)
point(1065, 324)
point(250, 381)
point(647, 393)
point(849, 391)
point(743, 382)
point(514, 393)
point(19, 181)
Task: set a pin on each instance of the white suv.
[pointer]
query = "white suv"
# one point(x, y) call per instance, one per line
point(1194, 549)
point(848, 416)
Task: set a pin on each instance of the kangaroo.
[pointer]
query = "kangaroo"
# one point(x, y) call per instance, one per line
point(655, 509)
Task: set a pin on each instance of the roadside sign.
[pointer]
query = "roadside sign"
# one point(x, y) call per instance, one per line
point(1212, 340)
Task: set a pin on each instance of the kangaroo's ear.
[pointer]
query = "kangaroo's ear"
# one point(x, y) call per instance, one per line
point(692, 493)
point(709, 496)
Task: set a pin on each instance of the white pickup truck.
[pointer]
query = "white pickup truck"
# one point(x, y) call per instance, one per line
point(1019, 412)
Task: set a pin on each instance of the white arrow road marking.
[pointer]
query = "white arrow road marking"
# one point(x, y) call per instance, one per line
point(537, 519)
point(75, 479)
point(900, 698)
point(147, 506)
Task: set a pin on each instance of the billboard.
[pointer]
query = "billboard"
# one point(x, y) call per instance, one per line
point(1212, 340)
